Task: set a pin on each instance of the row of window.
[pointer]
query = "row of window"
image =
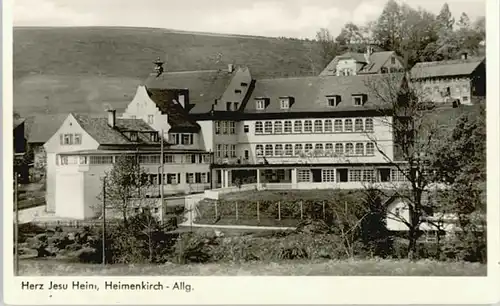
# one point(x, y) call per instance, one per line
point(143, 159)
point(225, 150)
point(70, 139)
point(175, 178)
point(181, 139)
point(353, 175)
point(316, 126)
point(465, 88)
point(319, 149)
point(225, 127)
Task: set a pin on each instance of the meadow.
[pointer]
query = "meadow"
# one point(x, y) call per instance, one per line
point(58, 70)
point(372, 267)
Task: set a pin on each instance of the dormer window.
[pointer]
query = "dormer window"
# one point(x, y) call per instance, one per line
point(238, 91)
point(333, 100)
point(260, 104)
point(133, 136)
point(243, 84)
point(228, 106)
point(284, 103)
point(154, 137)
point(359, 100)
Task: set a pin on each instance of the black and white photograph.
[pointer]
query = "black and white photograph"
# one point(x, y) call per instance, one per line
point(247, 138)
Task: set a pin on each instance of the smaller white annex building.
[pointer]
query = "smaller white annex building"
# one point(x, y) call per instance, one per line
point(85, 147)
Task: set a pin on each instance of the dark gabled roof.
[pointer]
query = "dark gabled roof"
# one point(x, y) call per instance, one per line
point(310, 93)
point(377, 60)
point(241, 75)
point(39, 128)
point(204, 86)
point(178, 117)
point(445, 68)
point(98, 129)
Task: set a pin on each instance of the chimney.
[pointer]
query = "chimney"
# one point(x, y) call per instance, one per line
point(230, 68)
point(464, 55)
point(158, 67)
point(111, 117)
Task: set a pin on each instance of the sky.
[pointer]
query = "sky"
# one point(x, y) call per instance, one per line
point(290, 18)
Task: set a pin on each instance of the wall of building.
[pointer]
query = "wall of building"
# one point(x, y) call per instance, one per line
point(382, 134)
point(79, 186)
point(226, 139)
point(207, 135)
point(346, 64)
point(142, 107)
point(432, 90)
point(54, 146)
point(69, 198)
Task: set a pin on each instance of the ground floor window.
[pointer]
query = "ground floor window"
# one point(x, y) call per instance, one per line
point(173, 178)
point(355, 175)
point(303, 175)
point(397, 176)
point(101, 160)
point(328, 175)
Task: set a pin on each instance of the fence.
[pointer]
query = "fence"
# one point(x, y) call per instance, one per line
point(29, 203)
point(271, 213)
point(215, 194)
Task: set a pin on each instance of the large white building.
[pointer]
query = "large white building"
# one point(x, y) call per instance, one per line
point(224, 128)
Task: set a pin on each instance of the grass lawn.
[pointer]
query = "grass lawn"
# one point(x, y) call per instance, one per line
point(268, 216)
point(290, 268)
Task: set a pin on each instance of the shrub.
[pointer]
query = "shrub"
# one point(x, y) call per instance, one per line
point(194, 248)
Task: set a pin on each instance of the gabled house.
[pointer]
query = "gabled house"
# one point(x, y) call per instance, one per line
point(462, 80)
point(370, 62)
point(85, 147)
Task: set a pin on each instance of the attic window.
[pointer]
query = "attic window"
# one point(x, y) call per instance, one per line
point(154, 137)
point(284, 103)
point(260, 104)
point(358, 100)
point(393, 60)
point(133, 136)
point(333, 100)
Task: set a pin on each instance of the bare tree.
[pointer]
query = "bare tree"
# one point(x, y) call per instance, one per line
point(327, 44)
point(416, 134)
point(125, 184)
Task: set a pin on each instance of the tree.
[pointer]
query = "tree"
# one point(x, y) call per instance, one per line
point(125, 182)
point(460, 162)
point(352, 38)
point(387, 31)
point(464, 22)
point(445, 19)
point(407, 31)
point(328, 46)
point(415, 133)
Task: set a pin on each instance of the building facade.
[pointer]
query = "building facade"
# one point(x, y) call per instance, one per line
point(370, 62)
point(84, 148)
point(462, 81)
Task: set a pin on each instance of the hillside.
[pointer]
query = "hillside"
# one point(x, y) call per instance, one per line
point(58, 70)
